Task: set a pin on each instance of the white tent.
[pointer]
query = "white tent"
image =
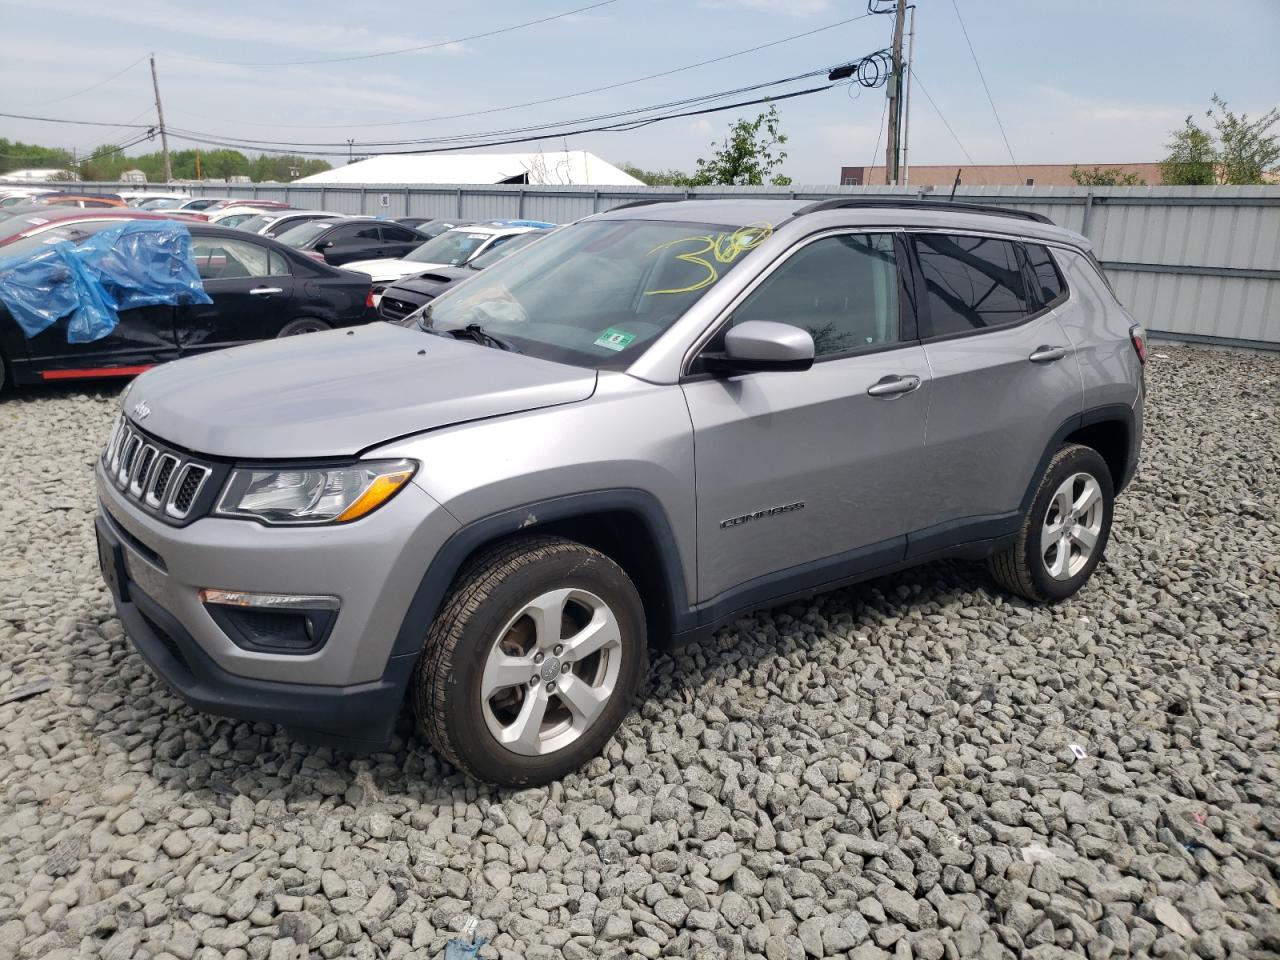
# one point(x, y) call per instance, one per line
point(568, 167)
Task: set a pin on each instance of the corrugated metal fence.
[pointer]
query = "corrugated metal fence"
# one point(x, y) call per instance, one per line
point(1196, 263)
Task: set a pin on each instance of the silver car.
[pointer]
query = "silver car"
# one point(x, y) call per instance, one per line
point(609, 443)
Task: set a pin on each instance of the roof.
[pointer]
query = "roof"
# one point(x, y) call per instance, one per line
point(569, 167)
point(872, 211)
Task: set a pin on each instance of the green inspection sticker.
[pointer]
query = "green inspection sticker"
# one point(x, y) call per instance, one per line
point(615, 339)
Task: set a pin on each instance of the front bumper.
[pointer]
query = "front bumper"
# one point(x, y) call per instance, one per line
point(349, 690)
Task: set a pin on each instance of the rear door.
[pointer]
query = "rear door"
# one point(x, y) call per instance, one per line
point(804, 475)
point(141, 339)
point(1004, 380)
point(251, 287)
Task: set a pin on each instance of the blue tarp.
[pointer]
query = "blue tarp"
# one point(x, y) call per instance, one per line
point(139, 263)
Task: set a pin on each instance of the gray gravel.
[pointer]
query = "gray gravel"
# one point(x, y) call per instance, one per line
point(887, 770)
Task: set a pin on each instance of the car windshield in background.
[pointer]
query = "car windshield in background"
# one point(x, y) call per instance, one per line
point(504, 250)
point(75, 232)
point(255, 223)
point(452, 247)
point(304, 233)
point(598, 293)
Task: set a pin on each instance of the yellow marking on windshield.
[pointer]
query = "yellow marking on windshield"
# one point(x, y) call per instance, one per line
point(723, 247)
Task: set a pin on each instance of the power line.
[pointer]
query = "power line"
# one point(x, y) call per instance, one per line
point(990, 100)
point(879, 130)
point(607, 128)
point(93, 86)
point(635, 111)
point(936, 110)
point(564, 96)
point(81, 123)
point(110, 133)
point(418, 49)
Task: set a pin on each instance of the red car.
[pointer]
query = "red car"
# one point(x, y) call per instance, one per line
point(61, 222)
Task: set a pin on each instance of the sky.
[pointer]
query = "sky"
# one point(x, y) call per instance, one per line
point(1086, 82)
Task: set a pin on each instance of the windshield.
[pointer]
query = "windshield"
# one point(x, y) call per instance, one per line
point(160, 203)
point(452, 248)
point(304, 233)
point(597, 293)
point(255, 223)
point(504, 250)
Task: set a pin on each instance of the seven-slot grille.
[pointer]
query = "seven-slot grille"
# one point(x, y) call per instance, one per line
point(164, 481)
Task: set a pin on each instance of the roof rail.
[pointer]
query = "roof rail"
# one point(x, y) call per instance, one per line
point(841, 203)
point(645, 203)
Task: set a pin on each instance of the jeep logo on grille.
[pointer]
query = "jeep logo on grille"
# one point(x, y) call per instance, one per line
point(141, 411)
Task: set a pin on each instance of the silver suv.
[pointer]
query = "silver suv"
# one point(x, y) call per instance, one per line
point(609, 443)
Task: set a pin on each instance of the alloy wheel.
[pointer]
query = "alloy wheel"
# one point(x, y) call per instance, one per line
point(1071, 527)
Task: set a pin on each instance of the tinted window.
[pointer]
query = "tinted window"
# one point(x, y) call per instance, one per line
point(972, 283)
point(221, 259)
point(279, 265)
point(304, 233)
point(400, 234)
point(843, 290)
point(1048, 281)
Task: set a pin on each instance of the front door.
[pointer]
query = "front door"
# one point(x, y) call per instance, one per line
point(1004, 380)
point(142, 338)
point(807, 475)
point(251, 288)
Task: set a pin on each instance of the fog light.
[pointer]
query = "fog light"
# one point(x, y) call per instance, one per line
point(269, 601)
point(272, 622)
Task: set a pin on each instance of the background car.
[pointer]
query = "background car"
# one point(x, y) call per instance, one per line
point(451, 248)
point(201, 203)
point(403, 297)
point(348, 239)
point(46, 223)
point(232, 216)
point(260, 290)
point(67, 199)
point(158, 201)
point(272, 223)
point(416, 222)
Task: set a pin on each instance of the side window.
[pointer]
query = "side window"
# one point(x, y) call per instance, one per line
point(842, 289)
point(397, 234)
point(220, 259)
point(971, 283)
point(1048, 281)
point(367, 233)
point(279, 264)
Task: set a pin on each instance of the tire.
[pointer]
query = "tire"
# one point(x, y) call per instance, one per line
point(1048, 562)
point(302, 325)
point(484, 638)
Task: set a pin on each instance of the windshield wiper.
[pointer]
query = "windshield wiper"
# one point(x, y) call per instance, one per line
point(473, 331)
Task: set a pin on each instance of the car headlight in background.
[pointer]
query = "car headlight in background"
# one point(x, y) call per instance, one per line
point(312, 496)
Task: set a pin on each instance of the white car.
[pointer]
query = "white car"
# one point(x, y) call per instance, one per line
point(272, 223)
point(156, 201)
point(234, 216)
point(452, 248)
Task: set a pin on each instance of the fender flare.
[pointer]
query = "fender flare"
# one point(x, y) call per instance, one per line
point(1111, 411)
point(531, 517)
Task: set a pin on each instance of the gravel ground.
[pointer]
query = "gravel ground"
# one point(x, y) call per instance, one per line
point(918, 767)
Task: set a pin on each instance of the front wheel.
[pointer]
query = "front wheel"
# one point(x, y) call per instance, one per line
point(304, 325)
point(1064, 533)
point(532, 662)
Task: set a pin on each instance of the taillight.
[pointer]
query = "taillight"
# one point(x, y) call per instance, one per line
point(1138, 336)
point(368, 299)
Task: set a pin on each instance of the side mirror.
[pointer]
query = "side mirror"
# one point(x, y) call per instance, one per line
point(325, 245)
point(759, 345)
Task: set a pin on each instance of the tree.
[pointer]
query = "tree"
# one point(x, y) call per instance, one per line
point(1238, 151)
point(1191, 158)
point(657, 178)
point(747, 154)
point(1246, 149)
point(1097, 177)
point(16, 155)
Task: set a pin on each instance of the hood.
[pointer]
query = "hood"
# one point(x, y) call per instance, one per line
point(433, 281)
point(389, 269)
point(339, 392)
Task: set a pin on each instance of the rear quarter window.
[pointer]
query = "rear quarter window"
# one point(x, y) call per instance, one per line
point(1049, 285)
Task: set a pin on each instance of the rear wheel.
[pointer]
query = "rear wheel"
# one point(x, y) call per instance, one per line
point(532, 662)
point(302, 325)
point(1065, 531)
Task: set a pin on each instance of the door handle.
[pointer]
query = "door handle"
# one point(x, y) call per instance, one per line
point(893, 385)
point(264, 291)
point(1047, 354)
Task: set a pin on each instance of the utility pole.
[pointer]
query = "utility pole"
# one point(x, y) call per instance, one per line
point(906, 99)
point(895, 102)
point(350, 150)
point(164, 137)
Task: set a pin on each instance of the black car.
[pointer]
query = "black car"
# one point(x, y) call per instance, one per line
point(348, 239)
point(405, 296)
point(260, 289)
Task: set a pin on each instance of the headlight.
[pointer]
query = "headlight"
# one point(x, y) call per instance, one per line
point(322, 495)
